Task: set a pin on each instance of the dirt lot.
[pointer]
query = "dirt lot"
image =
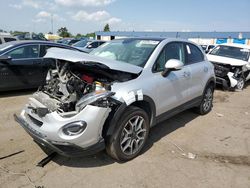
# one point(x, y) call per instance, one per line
point(219, 141)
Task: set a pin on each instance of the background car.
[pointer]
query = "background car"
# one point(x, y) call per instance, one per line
point(232, 65)
point(88, 46)
point(68, 41)
point(207, 48)
point(7, 38)
point(22, 64)
point(30, 36)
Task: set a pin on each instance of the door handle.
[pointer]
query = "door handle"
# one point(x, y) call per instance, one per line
point(186, 74)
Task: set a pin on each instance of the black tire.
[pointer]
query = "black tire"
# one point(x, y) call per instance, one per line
point(206, 104)
point(240, 84)
point(115, 146)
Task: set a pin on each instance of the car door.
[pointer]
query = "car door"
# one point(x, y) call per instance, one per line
point(8, 78)
point(195, 60)
point(172, 90)
point(24, 66)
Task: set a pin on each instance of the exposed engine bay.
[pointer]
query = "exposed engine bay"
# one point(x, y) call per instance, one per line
point(72, 86)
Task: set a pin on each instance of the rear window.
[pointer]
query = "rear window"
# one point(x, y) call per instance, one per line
point(8, 39)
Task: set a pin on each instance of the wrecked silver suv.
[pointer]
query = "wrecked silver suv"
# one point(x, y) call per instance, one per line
point(111, 97)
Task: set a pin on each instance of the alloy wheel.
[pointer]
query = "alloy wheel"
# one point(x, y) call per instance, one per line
point(240, 84)
point(133, 135)
point(208, 99)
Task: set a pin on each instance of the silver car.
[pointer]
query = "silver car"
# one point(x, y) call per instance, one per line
point(111, 97)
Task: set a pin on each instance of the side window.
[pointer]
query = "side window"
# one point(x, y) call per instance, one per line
point(194, 55)
point(173, 50)
point(7, 39)
point(0, 40)
point(30, 51)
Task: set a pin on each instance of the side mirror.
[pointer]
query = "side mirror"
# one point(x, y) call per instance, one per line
point(172, 65)
point(5, 59)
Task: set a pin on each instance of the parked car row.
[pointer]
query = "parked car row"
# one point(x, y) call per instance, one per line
point(88, 45)
point(207, 48)
point(22, 64)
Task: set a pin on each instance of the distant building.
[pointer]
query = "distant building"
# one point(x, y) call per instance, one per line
point(197, 37)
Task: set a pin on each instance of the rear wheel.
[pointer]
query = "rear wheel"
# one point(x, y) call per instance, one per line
point(207, 101)
point(130, 136)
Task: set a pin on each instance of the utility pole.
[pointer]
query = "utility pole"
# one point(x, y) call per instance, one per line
point(52, 27)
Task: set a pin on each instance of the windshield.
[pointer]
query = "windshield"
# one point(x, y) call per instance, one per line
point(81, 43)
point(231, 52)
point(132, 51)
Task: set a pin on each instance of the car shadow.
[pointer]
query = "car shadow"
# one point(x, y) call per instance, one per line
point(168, 126)
point(156, 133)
point(15, 93)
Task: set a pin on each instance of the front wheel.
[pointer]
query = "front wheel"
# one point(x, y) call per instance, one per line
point(207, 101)
point(240, 84)
point(130, 136)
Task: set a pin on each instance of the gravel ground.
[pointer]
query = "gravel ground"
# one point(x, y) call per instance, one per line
point(184, 151)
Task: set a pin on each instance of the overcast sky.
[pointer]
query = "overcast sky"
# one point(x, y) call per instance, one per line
point(82, 16)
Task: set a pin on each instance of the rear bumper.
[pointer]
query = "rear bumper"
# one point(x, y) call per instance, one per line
point(62, 148)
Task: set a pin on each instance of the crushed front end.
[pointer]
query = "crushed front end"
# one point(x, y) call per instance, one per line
point(68, 113)
point(228, 75)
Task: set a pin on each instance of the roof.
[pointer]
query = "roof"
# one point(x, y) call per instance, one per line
point(19, 42)
point(176, 34)
point(8, 45)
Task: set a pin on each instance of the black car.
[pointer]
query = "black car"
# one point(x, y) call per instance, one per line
point(22, 64)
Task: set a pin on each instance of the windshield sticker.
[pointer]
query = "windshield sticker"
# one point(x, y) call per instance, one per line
point(188, 50)
point(139, 95)
point(147, 42)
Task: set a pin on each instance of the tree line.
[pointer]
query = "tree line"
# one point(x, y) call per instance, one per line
point(62, 32)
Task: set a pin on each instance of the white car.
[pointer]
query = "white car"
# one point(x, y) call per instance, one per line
point(112, 96)
point(6, 38)
point(232, 65)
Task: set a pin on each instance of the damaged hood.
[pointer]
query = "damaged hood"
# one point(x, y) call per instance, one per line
point(226, 60)
point(81, 57)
